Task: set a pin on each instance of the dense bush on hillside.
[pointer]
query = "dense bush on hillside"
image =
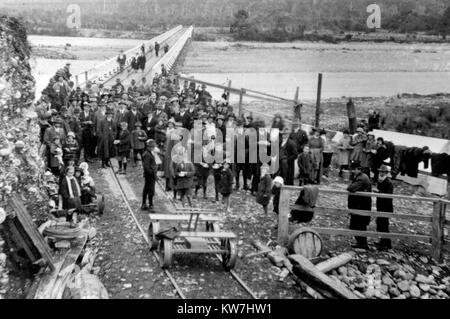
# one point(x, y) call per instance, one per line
point(249, 19)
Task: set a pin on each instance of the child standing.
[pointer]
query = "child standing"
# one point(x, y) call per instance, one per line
point(276, 189)
point(226, 185)
point(123, 148)
point(264, 188)
point(184, 172)
point(70, 148)
point(138, 138)
point(345, 149)
point(305, 164)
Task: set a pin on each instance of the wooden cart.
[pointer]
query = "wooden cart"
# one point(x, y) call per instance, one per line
point(190, 239)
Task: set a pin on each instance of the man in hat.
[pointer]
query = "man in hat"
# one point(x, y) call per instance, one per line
point(150, 175)
point(185, 117)
point(300, 137)
point(88, 142)
point(138, 138)
point(121, 60)
point(385, 186)
point(56, 130)
point(360, 183)
point(132, 117)
point(157, 47)
point(107, 133)
point(287, 157)
point(118, 88)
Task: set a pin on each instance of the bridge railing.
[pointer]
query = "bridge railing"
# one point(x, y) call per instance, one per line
point(170, 57)
point(109, 68)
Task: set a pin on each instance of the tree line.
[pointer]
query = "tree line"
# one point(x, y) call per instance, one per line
point(247, 19)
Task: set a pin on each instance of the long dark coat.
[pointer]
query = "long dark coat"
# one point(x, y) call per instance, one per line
point(360, 183)
point(385, 204)
point(264, 190)
point(226, 182)
point(187, 181)
point(288, 155)
point(106, 133)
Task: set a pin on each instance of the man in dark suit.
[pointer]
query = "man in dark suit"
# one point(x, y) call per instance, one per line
point(288, 155)
point(88, 140)
point(300, 138)
point(132, 117)
point(150, 175)
point(385, 205)
point(185, 117)
point(149, 123)
point(360, 183)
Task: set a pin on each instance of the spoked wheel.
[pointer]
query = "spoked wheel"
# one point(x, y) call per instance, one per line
point(212, 227)
point(229, 258)
point(165, 253)
point(100, 204)
point(153, 229)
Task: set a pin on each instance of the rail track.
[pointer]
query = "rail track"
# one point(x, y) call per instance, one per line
point(170, 276)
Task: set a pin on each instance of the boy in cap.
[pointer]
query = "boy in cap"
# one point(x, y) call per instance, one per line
point(123, 144)
point(386, 205)
point(138, 138)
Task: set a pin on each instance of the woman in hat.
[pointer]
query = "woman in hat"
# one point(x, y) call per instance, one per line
point(316, 147)
point(70, 148)
point(358, 143)
point(278, 122)
point(345, 149)
point(264, 188)
point(369, 152)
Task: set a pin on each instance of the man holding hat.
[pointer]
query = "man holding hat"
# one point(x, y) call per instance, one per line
point(150, 175)
point(88, 141)
point(386, 205)
point(360, 183)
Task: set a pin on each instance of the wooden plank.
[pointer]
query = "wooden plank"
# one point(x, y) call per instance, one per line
point(345, 211)
point(159, 217)
point(315, 278)
point(366, 194)
point(283, 218)
point(437, 227)
point(350, 232)
point(224, 235)
point(334, 262)
point(32, 231)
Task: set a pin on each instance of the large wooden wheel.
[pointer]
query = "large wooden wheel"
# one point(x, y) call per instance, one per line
point(306, 242)
point(165, 253)
point(229, 258)
point(153, 229)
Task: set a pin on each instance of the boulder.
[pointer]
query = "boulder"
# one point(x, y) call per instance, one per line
point(414, 291)
point(404, 285)
point(388, 281)
point(424, 287)
point(394, 292)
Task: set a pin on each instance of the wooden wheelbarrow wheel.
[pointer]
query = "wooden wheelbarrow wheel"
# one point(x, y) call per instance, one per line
point(306, 242)
point(165, 253)
point(100, 204)
point(212, 227)
point(229, 258)
point(153, 229)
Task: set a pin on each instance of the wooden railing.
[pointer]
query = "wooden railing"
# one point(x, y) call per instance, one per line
point(437, 218)
point(109, 68)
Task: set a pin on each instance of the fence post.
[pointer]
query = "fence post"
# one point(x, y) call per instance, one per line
point(283, 217)
point(437, 227)
point(85, 77)
point(241, 97)
point(319, 96)
point(76, 80)
point(228, 93)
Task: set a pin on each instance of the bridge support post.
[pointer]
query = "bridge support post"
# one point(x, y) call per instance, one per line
point(437, 227)
point(319, 95)
point(241, 98)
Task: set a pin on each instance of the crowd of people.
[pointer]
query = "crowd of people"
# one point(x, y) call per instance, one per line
point(141, 124)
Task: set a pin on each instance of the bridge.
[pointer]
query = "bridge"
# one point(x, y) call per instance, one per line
point(108, 71)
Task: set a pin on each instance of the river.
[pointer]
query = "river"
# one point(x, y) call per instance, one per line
point(349, 69)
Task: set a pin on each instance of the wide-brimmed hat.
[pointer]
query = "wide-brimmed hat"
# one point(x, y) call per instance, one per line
point(172, 121)
point(360, 130)
point(279, 180)
point(384, 169)
point(72, 134)
point(355, 165)
point(151, 143)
